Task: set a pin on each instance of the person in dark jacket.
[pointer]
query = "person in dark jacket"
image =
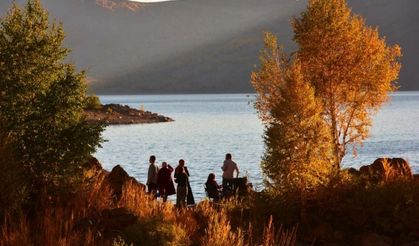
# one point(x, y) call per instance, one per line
point(165, 182)
point(212, 188)
point(182, 180)
point(182, 168)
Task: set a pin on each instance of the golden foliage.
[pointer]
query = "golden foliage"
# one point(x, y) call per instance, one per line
point(268, 79)
point(350, 66)
point(298, 142)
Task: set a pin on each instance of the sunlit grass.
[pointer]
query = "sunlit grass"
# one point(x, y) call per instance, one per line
point(72, 220)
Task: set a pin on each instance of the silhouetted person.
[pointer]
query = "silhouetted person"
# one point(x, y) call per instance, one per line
point(213, 189)
point(228, 168)
point(165, 182)
point(153, 169)
point(182, 180)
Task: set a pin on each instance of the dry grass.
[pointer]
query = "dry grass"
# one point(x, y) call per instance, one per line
point(58, 222)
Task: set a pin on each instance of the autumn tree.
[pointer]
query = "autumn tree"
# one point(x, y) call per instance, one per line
point(350, 66)
point(42, 100)
point(298, 153)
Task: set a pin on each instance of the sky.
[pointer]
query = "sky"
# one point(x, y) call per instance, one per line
point(202, 46)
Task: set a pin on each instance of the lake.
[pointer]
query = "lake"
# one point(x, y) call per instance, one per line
point(206, 127)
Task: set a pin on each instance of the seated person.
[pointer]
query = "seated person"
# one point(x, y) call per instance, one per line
point(213, 189)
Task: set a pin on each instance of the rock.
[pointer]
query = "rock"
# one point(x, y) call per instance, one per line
point(93, 164)
point(116, 114)
point(400, 168)
point(110, 221)
point(117, 178)
point(92, 168)
point(353, 171)
point(162, 118)
point(386, 169)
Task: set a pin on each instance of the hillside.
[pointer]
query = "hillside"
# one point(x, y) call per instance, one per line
point(190, 46)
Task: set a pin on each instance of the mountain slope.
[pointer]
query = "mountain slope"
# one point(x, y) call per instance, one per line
point(200, 45)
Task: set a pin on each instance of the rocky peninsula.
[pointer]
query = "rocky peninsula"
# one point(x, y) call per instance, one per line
point(117, 114)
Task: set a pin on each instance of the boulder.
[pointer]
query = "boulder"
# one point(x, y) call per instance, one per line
point(386, 169)
point(399, 168)
point(117, 178)
point(92, 168)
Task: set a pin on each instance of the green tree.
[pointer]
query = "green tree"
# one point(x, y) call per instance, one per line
point(298, 142)
point(350, 66)
point(93, 103)
point(42, 99)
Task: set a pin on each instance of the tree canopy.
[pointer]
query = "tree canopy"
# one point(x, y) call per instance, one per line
point(349, 69)
point(298, 142)
point(350, 66)
point(42, 98)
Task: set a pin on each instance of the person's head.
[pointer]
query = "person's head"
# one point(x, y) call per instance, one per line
point(211, 178)
point(164, 164)
point(228, 156)
point(152, 159)
point(181, 163)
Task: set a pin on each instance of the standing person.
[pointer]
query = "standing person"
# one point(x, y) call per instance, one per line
point(228, 168)
point(190, 198)
point(182, 180)
point(165, 182)
point(153, 169)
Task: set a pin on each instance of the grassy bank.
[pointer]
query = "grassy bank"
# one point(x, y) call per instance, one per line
point(347, 213)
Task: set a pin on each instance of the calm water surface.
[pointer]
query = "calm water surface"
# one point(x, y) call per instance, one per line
point(208, 126)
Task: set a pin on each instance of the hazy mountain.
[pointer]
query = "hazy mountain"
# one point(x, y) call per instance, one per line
point(203, 45)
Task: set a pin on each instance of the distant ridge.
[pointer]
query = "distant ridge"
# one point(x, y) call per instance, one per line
point(202, 46)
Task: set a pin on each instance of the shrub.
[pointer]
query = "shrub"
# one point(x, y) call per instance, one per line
point(93, 103)
point(155, 231)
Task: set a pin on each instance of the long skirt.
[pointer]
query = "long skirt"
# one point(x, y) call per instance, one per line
point(182, 192)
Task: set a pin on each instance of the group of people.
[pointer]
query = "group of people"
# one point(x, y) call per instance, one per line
point(160, 180)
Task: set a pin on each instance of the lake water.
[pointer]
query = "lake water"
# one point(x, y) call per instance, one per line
point(206, 127)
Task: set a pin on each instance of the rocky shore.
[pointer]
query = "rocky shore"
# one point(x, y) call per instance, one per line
point(117, 114)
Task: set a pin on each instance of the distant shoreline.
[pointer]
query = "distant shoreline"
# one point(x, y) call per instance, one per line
point(117, 114)
point(177, 94)
point(219, 93)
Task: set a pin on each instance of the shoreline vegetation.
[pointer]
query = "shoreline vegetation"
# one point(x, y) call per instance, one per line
point(117, 114)
point(375, 205)
point(314, 104)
